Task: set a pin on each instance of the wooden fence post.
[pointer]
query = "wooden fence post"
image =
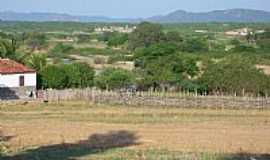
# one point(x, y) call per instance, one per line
point(94, 96)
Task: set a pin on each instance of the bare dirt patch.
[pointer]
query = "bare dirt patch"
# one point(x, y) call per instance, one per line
point(264, 68)
point(228, 131)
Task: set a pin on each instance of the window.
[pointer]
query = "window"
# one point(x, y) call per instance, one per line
point(21, 80)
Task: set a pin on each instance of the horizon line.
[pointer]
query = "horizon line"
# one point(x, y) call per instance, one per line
point(134, 18)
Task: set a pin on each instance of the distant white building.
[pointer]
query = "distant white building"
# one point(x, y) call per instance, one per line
point(201, 31)
point(239, 32)
point(16, 80)
point(119, 29)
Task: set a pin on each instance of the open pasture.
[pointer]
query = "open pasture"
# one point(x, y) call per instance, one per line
point(79, 130)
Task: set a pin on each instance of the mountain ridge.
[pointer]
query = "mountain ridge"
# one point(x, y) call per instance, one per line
point(229, 15)
point(178, 16)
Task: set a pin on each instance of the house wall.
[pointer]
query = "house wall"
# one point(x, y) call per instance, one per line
point(12, 80)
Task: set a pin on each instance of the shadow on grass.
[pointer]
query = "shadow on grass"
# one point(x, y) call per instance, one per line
point(246, 156)
point(3, 137)
point(94, 144)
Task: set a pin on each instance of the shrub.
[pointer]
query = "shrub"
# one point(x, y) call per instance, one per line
point(160, 66)
point(119, 57)
point(36, 40)
point(243, 48)
point(77, 75)
point(113, 78)
point(116, 39)
point(235, 75)
point(86, 75)
point(195, 45)
point(61, 50)
point(146, 35)
point(82, 38)
point(53, 77)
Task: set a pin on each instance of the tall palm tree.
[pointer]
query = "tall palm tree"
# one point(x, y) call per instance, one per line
point(37, 61)
point(4, 49)
point(8, 49)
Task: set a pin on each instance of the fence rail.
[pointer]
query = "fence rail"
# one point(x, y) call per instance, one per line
point(184, 100)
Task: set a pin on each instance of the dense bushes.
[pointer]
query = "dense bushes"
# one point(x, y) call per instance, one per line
point(7, 50)
point(242, 48)
point(120, 57)
point(67, 76)
point(98, 51)
point(164, 59)
point(235, 75)
point(160, 66)
point(113, 78)
point(195, 45)
point(113, 38)
point(263, 40)
point(146, 35)
point(80, 75)
point(36, 40)
point(116, 39)
point(61, 50)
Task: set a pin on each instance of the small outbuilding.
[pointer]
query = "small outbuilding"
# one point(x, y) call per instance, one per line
point(16, 80)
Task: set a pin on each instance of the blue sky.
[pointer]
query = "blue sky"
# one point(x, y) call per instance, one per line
point(127, 8)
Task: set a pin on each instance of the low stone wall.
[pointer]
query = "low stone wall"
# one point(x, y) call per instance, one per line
point(17, 93)
point(157, 99)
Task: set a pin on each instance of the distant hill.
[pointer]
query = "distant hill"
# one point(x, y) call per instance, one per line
point(43, 17)
point(180, 16)
point(231, 15)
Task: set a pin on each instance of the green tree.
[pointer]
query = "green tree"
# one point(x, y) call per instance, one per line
point(235, 75)
point(263, 40)
point(174, 37)
point(264, 44)
point(61, 50)
point(160, 66)
point(80, 75)
point(83, 38)
point(72, 75)
point(113, 78)
point(235, 42)
point(54, 77)
point(7, 49)
point(145, 35)
point(243, 48)
point(195, 45)
point(77, 75)
point(117, 39)
point(86, 74)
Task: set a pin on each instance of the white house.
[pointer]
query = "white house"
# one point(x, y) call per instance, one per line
point(239, 32)
point(16, 80)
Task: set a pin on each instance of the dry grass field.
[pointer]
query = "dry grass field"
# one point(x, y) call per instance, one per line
point(82, 131)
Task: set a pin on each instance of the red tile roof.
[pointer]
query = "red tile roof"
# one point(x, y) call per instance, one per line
point(8, 66)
